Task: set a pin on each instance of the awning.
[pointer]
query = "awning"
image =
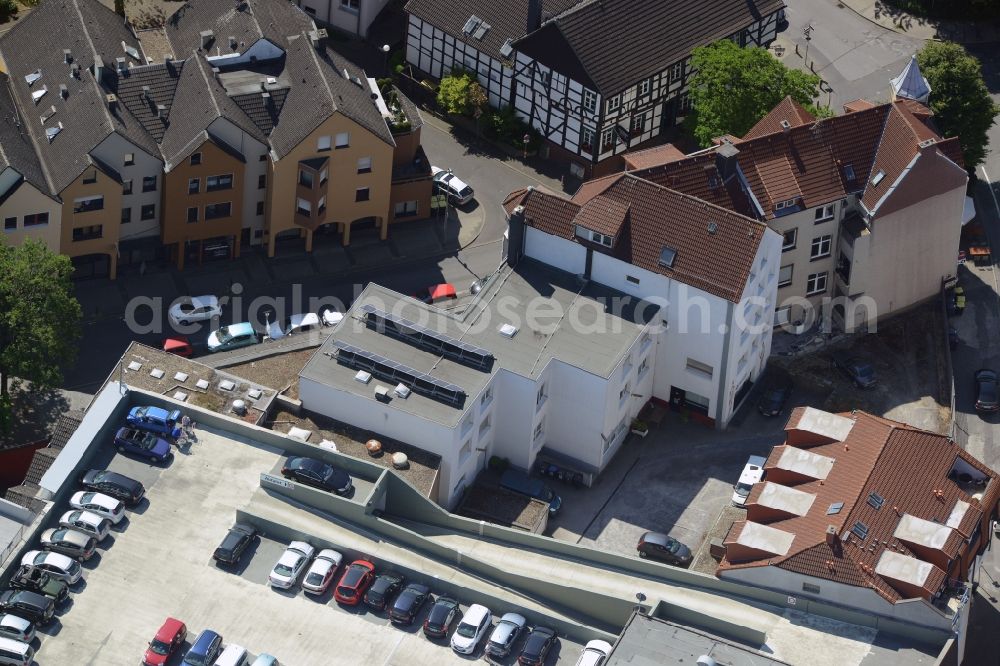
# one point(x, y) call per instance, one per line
point(970, 211)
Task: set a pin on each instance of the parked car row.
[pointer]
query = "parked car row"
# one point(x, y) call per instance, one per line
point(390, 593)
point(41, 583)
point(206, 650)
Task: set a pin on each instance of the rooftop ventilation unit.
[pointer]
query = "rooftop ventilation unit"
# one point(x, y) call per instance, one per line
point(74, 70)
point(785, 125)
point(363, 377)
point(508, 330)
point(239, 407)
point(67, 56)
point(112, 100)
point(712, 227)
point(382, 394)
point(121, 65)
point(145, 92)
point(63, 91)
point(233, 43)
point(207, 37)
point(402, 391)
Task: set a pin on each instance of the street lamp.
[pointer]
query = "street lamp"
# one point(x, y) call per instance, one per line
point(807, 31)
point(385, 58)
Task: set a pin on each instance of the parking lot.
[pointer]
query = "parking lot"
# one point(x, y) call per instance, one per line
point(158, 563)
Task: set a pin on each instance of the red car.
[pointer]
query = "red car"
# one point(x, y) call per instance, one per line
point(179, 345)
point(437, 293)
point(167, 641)
point(356, 579)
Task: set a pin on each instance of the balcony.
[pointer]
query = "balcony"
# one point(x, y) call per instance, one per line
point(852, 227)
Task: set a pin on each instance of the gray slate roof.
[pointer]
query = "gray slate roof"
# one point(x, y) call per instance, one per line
point(162, 82)
point(88, 29)
point(16, 149)
point(246, 21)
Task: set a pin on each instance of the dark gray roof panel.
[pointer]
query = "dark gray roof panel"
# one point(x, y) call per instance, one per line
point(246, 21)
point(16, 149)
point(161, 81)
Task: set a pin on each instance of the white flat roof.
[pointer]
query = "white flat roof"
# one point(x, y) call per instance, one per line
point(904, 568)
point(826, 424)
point(806, 463)
point(922, 532)
point(764, 538)
point(783, 498)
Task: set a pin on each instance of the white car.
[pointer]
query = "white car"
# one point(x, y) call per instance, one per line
point(56, 564)
point(474, 625)
point(752, 473)
point(594, 653)
point(16, 628)
point(194, 308)
point(99, 503)
point(87, 522)
point(297, 323)
point(289, 567)
point(458, 190)
point(321, 572)
point(331, 317)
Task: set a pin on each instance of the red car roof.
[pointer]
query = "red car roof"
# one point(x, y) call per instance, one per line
point(169, 629)
point(442, 291)
point(179, 342)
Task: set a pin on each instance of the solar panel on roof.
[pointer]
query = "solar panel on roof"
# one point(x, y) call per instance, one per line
point(393, 371)
point(426, 339)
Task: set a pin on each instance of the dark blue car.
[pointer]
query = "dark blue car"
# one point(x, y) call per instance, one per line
point(155, 419)
point(205, 650)
point(145, 444)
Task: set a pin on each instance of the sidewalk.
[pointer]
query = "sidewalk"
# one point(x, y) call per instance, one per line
point(897, 20)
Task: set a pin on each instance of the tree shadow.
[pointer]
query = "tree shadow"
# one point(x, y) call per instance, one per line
point(34, 414)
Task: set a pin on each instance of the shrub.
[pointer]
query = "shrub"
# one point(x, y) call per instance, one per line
point(8, 10)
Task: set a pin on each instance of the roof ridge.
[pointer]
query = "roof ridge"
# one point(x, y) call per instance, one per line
point(96, 55)
point(322, 76)
point(208, 86)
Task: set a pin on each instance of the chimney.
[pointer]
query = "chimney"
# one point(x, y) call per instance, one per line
point(145, 92)
point(98, 69)
point(67, 56)
point(74, 70)
point(63, 91)
point(785, 126)
point(207, 37)
point(832, 538)
point(112, 101)
point(161, 111)
point(725, 161)
point(515, 235)
point(233, 43)
point(121, 65)
point(534, 15)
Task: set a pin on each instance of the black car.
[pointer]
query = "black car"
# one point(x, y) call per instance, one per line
point(117, 485)
point(235, 542)
point(439, 620)
point(856, 369)
point(36, 580)
point(772, 403)
point(986, 391)
point(408, 603)
point(318, 474)
point(30, 605)
point(382, 590)
point(662, 547)
point(537, 646)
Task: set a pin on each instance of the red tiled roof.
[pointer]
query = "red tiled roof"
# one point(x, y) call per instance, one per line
point(591, 188)
point(650, 157)
point(717, 261)
point(788, 110)
point(858, 105)
point(911, 470)
point(603, 215)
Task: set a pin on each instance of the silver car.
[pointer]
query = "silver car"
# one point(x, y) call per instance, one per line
point(87, 522)
point(69, 542)
point(16, 628)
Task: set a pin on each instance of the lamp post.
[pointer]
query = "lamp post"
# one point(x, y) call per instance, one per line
point(385, 58)
point(807, 31)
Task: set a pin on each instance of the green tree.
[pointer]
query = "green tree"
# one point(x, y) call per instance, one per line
point(8, 10)
point(39, 317)
point(959, 99)
point(120, 7)
point(478, 100)
point(454, 93)
point(733, 87)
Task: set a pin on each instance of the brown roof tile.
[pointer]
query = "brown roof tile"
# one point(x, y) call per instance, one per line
point(592, 188)
point(904, 466)
point(603, 215)
point(650, 157)
point(858, 105)
point(788, 110)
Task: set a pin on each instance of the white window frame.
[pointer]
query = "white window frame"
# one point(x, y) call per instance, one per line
point(587, 137)
point(824, 213)
point(782, 282)
point(785, 246)
point(343, 139)
point(364, 165)
point(821, 247)
point(323, 143)
point(638, 123)
point(644, 87)
point(698, 368)
point(614, 103)
point(813, 283)
point(676, 72)
point(589, 101)
point(607, 140)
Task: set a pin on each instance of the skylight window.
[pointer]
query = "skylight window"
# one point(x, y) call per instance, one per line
point(34, 76)
point(876, 501)
point(667, 257)
point(849, 172)
point(834, 508)
point(51, 132)
point(38, 94)
point(471, 25)
point(481, 30)
point(507, 48)
point(860, 530)
point(878, 178)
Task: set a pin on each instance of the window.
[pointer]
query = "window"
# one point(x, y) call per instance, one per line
point(632, 279)
point(350, 5)
point(36, 220)
point(129, 159)
point(816, 284)
point(465, 452)
point(406, 209)
point(260, 207)
point(126, 187)
point(487, 396)
point(90, 177)
point(820, 247)
point(539, 430)
point(644, 87)
point(88, 233)
point(220, 182)
point(343, 140)
point(676, 72)
point(126, 215)
point(699, 368)
point(685, 103)
point(790, 238)
point(849, 172)
point(614, 103)
point(541, 396)
point(586, 138)
point(321, 206)
point(218, 210)
point(262, 158)
point(147, 212)
point(323, 176)
point(194, 185)
point(824, 213)
point(809, 588)
point(589, 100)
point(484, 427)
point(306, 179)
point(643, 367)
point(594, 236)
point(877, 178)
point(362, 194)
point(303, 207)
point(364, 165)
point(88, 204)
point(785, 275)
point(196, 159)
point(192, 215)
point(625, 392)
point(261, 181)
point(149, 183)
point(9, 223)
point(607, 140)
point(323, 143)
point(638, 123)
